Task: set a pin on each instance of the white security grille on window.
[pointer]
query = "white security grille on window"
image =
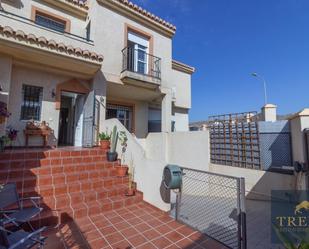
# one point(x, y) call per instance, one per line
point(32, 102)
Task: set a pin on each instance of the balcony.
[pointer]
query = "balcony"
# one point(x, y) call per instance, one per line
point(140, 68)
point(31, 42)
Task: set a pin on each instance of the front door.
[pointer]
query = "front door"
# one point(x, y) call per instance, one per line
point(88, 139)
point(78, 121)
point(63, 126)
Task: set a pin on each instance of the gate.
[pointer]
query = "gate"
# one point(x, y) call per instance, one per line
point(234, 140)
point(213, 204)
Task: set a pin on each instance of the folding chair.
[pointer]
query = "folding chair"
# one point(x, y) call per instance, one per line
point(20, 239)
point(18, 215)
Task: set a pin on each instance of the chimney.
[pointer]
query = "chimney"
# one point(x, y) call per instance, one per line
point(269, 113)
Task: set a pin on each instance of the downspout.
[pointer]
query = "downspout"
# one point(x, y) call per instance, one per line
point(306, 163)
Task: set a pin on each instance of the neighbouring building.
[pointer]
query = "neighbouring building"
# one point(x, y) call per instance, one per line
point(75, 64)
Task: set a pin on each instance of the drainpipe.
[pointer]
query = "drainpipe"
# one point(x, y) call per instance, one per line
point(306, 164)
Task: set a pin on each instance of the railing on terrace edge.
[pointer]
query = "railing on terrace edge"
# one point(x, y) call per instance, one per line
point(138, 61)
point(214, 204)
point(28, 21)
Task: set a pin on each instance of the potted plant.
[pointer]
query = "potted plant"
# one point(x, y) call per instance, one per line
point(132, 185)
point(11, 134)
point(112, 155)
point(104, 140)
point(122, 170)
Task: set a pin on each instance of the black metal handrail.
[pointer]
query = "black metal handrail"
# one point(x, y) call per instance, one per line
point(138, 61)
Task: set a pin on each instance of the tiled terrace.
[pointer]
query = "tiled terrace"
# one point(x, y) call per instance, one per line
point(85, 200)
point(137, 226)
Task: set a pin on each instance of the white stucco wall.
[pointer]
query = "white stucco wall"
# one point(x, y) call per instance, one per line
point(186, 149)
point(148, 172)
point(22, 76)
point(23, 8)
point(258, 183)
point(181, 82)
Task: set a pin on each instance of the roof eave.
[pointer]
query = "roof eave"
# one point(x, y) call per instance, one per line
point(137, 16)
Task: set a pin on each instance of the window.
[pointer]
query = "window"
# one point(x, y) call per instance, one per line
point(88, 31)
point(50, 22)
point(32, 102)
point(138, 49)
point(123, 113)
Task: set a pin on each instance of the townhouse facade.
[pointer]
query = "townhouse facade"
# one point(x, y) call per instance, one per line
point(74, 64)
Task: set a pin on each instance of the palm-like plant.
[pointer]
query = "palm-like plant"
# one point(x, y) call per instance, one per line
point(293, 240)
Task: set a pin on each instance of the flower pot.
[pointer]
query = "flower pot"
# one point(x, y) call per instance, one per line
point(122, 170)
point(105, 144)
point(130, 192)
point(111, 156)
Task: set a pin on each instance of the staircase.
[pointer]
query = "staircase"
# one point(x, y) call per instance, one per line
point(72, 182)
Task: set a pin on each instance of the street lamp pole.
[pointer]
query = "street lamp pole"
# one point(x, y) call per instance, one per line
point(264, 83)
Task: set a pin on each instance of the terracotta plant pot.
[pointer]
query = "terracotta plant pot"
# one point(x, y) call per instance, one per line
point(122, 170)
point(105, 144)
point(130, 192)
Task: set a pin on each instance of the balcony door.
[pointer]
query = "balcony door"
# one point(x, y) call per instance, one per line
point(138, 49)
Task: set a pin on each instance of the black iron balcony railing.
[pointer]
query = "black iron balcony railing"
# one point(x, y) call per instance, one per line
point(138, 61)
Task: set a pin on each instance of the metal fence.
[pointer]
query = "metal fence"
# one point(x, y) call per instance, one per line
point(215, 205)
point(234, 140)
point(275, 145)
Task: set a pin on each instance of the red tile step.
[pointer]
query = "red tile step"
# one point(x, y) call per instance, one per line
point(84, 172)
point(75, 211)
point(34, 154)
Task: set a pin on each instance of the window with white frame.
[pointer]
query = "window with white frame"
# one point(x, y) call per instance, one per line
point(138, 50)
point(31, 103)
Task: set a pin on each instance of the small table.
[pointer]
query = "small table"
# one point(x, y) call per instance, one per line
point(37, 132)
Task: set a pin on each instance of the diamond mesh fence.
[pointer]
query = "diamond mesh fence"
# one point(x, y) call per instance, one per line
point(211, 204)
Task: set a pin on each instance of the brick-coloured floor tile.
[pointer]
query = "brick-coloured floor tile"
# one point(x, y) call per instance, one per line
point(151, 234)
point(108, 230)
point(161, 242)
point(147, 246)
point(114, 238)
point(98, 244)
point(137, 240)
point(122, 245)
point(129, 232)
point(142, 227)
point(174, 236)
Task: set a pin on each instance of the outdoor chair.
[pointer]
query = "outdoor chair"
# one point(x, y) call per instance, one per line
point(12, 207)
point(20, 239)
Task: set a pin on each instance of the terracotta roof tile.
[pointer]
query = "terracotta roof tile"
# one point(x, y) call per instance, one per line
point(41, 41)
point(80, 3)
point(146, 13)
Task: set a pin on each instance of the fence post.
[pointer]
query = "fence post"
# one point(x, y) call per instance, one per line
point(243, 213)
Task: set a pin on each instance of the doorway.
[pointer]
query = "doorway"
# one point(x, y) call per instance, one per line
point(71, 119)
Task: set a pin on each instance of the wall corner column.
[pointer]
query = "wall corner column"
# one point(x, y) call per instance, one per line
point(166, 125)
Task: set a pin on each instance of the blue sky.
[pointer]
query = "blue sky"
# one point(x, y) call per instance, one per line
point(226, 40)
